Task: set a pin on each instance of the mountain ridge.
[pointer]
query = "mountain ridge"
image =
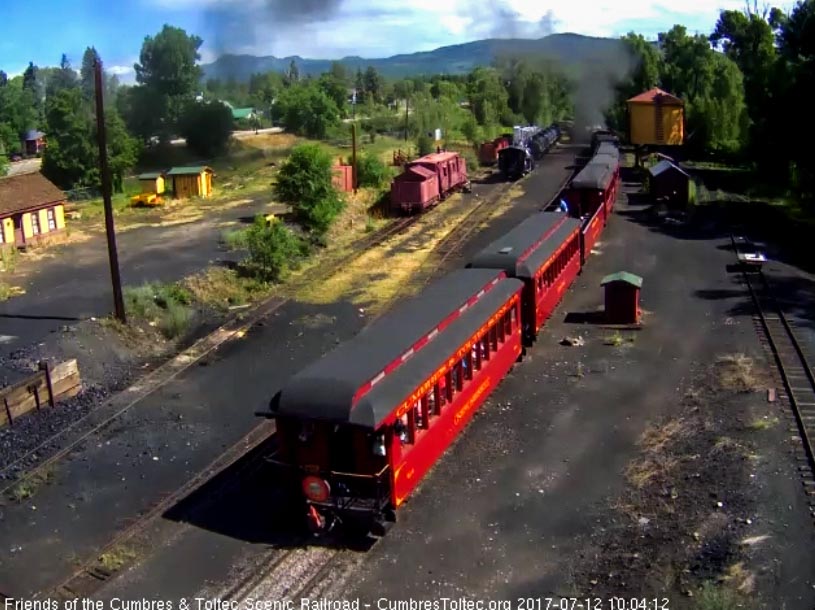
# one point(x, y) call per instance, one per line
point(567, 48)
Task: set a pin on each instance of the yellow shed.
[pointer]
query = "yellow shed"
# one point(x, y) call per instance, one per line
point(191, 181)
point(151, 182)
point(656, 118)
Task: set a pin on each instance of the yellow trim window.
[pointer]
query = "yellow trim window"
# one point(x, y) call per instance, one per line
point(52, 220)
point(35, 223)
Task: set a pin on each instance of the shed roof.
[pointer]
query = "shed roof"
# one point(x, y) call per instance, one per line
point(185, 171)
point(33, 134)
point(656, 94)
point(523, 250)
point(623, 276)
point(664, 166)
point(149, 175)
point(332, 388)
point(242, 113)
point(27, 191)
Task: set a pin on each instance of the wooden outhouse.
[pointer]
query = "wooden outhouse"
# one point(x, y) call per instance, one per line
point(31, 209)
point(191, 181)
point(656, 118)
point(622, 297)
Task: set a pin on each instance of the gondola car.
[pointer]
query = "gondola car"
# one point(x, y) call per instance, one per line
point(428, 180)
point(359, 428)
point(515, 162)
point(543, 251)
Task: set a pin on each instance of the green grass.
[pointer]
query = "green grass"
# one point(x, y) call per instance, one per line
point(221, 288)
point(165, 306)
point(6, 292)
point(762, 423)
point(235, 239)
point(713, 597)
point(8, 258)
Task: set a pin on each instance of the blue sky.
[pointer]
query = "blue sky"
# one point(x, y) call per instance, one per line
point(41, 30)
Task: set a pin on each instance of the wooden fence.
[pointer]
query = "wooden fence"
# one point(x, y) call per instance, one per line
point(39, 391)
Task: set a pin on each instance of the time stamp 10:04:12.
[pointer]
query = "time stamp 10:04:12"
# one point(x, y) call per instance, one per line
point(594, 603)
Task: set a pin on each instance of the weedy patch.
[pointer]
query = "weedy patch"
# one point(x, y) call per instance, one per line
point(7, 291)
point(222, 288)
point(762, 423)
point(116, 558)
point(165, 306)
point(719, 597)
point(738, 373)
point(29, 486)
point(657, 468)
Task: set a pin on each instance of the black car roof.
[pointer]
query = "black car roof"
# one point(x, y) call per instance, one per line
point(327, 389)
point(593, 176)
point(523, 250)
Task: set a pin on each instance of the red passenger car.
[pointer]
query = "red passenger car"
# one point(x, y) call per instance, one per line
point(428, 180)
point(359, 428)
point(544, 252)
point(591, 196)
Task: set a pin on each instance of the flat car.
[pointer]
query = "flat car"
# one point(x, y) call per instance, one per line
point(543, 251)
point(359, 428)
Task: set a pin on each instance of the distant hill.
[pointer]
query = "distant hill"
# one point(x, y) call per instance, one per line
point(571, 50)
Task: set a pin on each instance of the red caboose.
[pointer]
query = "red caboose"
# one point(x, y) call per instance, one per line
point(428, 180)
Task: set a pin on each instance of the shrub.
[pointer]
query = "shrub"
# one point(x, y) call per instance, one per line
point(425, 145)
point(304, 182)
point(470, 160)
point(372, 171)
point(273, 249)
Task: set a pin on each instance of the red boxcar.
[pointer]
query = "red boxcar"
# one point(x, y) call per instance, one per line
point(359, 428)
point(428, 180)
point(544, 252)
point(488, 153)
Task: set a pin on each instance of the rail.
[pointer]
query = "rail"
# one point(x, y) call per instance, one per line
point(791, 361)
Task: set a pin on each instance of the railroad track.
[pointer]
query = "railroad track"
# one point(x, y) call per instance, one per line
point(90, 424)
point(793, 366)
point(91, 575)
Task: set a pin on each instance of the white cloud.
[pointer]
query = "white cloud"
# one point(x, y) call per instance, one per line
point(119, 70)
point(376, 28)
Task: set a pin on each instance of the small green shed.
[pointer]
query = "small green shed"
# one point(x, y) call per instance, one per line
point(622, 297)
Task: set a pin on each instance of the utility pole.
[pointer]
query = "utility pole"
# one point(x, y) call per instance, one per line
point(354, 156)
point(101, 136)
point(407, 104)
